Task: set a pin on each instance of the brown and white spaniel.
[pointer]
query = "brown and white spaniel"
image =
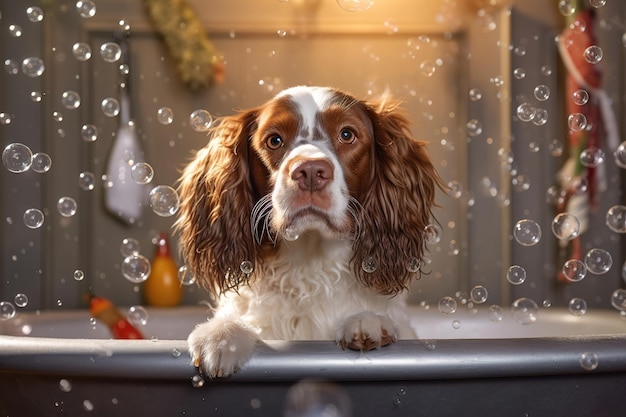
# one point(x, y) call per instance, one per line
point(305, 218)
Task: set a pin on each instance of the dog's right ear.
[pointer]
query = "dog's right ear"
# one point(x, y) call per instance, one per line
point(217, 196)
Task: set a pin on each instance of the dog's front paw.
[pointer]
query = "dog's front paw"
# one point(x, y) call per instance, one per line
point(366, 331)
point(221, 347)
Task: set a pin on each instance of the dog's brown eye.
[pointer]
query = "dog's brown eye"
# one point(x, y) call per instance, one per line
point(274, 142)
point(346, 136)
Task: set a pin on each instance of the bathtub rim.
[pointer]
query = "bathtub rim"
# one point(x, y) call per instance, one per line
point(295, 360)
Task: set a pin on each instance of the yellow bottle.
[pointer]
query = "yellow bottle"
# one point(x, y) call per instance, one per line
point(162, 288)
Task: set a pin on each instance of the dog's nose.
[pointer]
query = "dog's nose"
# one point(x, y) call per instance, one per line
point(313, 175)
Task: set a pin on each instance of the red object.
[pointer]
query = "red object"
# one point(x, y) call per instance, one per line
point(104, 310)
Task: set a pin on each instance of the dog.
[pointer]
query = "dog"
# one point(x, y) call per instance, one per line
point(305, 219)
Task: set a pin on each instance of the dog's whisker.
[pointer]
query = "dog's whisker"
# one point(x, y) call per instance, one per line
point(260, 219)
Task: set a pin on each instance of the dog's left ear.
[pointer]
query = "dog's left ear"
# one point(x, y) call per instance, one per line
point(397, 206)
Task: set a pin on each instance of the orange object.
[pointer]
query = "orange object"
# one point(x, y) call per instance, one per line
point(104, 310)
point(163, 288)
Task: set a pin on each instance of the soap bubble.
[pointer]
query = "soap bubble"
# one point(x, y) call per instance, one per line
point(86, 181)
point(291, 233)
point(592, 157)
point(474, 128)
point(129, 247)
point(15, 31)
point(197, 381)
point(11, 66)
point(413, 264)
point(185, 276)
point(524, 310)
point(65, 385)
point(475, 94)
point(618, 299)
point(516, 275)
point(541, 117)
point(427, 68)
point(41, 162)
point(67, 206)
point(136, 268)
point(247, 267)
point(455, 189)
point(57, 116)
point(137, 315)
point(574, 270)
point(620, 155)
point(7, 310)
point(456, 324)
point(70, 99)
point(5, 118)
point(542, 92)
point(86, 8)
point(597, 3)
point(369, 264)
point(200, 120)
point(527, 232)
point(565, 226)
point(35, 14)
point(519, 73)
point(164, 200)
point(589, 361)
point(110, 107)
point(142, 172)
point(36, 96)
point(598, 261)
point(81, 51)
point(432, 234)
point(79, 275)
point(447, 305)
point(33, 218)
point(580, 97)
point(577, 306)
point(616, 218)
point(165, 115)
point(21, 300)
point(355, 5)
point(479, 294)
point(495, 313)
point(525, 112)
point(577, 122)
point(33, 67)
point(89, 133)
point(593, 54)
point(17, 157)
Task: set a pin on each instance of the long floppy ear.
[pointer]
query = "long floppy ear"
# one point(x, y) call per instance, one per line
point(397, 206)
point(217, 197)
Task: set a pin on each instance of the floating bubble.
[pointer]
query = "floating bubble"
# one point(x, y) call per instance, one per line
point(67, 206)
point(577, 306)
point(527, 232)
point(57, 116)
point(65, 385)
point(598, 261)
point(580, 97)
point(521, 183)
point(474, 128)
point(200, 120)
point(565, 226)
point(432, 234)
point(33, 218)
point(185, 276)
point(165, 115)
point(597, 3)
point(197, 381)
point(247, 267)
point(136, 268)
point(525, 112)
point(142, 173)
point(593, 54)
point(495, 313)
point(7, 310)
point(291, 233)
point(455, 189)
point(567, 7)
point(577, 122)
point(164, 200)
point(129, 247)
point(89, 133)
point(519, 73)
point(36, 96)
point(86, 181)
point(70, 99)
point(618, 299)
point(479, 294)
point(21, 300)
point(11, 67)
point(81, 51)
point(524, 310)
point(413, 264)
point(456, 324)
point(41, 162)
point(137, 315)
point(15, 31)
point(516, 274)
point(541, 117)
point(110, 107)
point(574, 270)
point(17, 157)
point(33, 67)
point(616, 218)
point(5, 118)
point(369, 264)
point(620, 155)
point(475, 94)
point(86, 8)
point(35, 14)
point(589, 361)
point(447, 305)
point(79, 275)
point(427, 68)
point(542, 92)
point(592, 157)
point(355, 5)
